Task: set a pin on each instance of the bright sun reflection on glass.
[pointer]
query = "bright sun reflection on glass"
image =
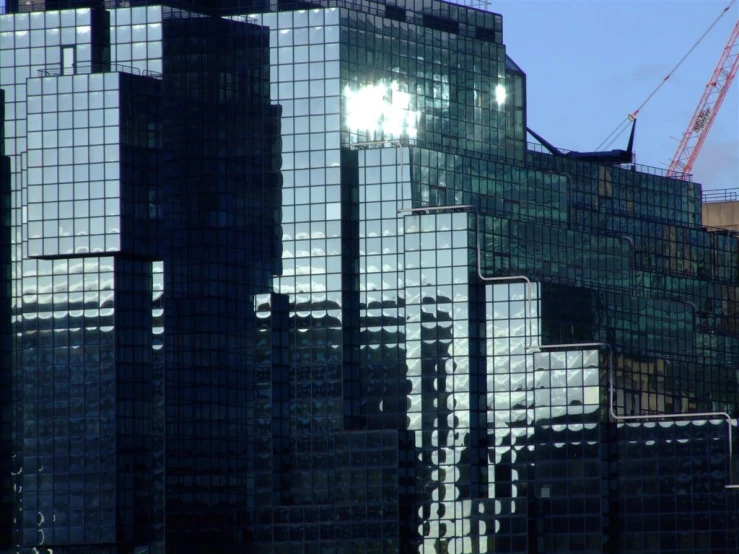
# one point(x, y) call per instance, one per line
point(381, 111)
point(500, 94)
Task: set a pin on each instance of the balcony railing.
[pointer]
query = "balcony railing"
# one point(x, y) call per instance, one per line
point(83, 69)
point(722, 195)
point(648, 169)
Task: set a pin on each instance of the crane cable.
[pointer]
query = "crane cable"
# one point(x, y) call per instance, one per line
point(632, 116)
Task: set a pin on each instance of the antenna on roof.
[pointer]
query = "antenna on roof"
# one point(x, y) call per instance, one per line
point(610, 157)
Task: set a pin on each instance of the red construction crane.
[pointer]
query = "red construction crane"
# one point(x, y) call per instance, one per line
point(709, 105)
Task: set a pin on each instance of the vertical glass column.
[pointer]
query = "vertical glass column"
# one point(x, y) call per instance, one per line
point(443, 414)
point(318, 247)
point(158, 418)
point(512, 323)
point(384, 188)
point(565, 469)
point(67, 477)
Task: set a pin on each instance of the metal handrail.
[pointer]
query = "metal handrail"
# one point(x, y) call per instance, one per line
point(721, 195)
point(641, 168)
point(628, 418)
point(634, 263)
point(184, 5)
point(86, 69)
point(502, 278)
point(394, 142)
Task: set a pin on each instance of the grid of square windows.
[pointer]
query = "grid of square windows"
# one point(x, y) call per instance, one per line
point(390, 390)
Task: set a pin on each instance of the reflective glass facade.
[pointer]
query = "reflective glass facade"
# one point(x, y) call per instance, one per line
point(136, 257)
point(292, 281)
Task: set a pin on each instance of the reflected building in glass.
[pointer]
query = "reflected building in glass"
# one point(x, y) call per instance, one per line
point(291, 280)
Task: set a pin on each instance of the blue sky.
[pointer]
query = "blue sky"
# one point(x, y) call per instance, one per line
point(590, 63)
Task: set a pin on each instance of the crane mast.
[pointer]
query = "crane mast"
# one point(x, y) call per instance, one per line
point(709, 105)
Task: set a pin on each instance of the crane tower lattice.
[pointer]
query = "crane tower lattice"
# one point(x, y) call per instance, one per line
point(705, 114)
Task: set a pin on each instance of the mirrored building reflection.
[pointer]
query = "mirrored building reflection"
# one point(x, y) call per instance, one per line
point(289, 278)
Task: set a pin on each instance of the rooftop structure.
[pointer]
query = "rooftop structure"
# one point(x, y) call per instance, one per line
point(721, 209)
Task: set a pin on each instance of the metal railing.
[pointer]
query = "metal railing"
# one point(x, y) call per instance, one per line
point(721, 195)
point(39, 6)
point(242, 8)
point(86, 69)
point(648, 169)
point(619, 418)
point(199, 8)
point(528, 300)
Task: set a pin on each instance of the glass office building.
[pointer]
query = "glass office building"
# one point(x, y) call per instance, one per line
point(288, 278)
